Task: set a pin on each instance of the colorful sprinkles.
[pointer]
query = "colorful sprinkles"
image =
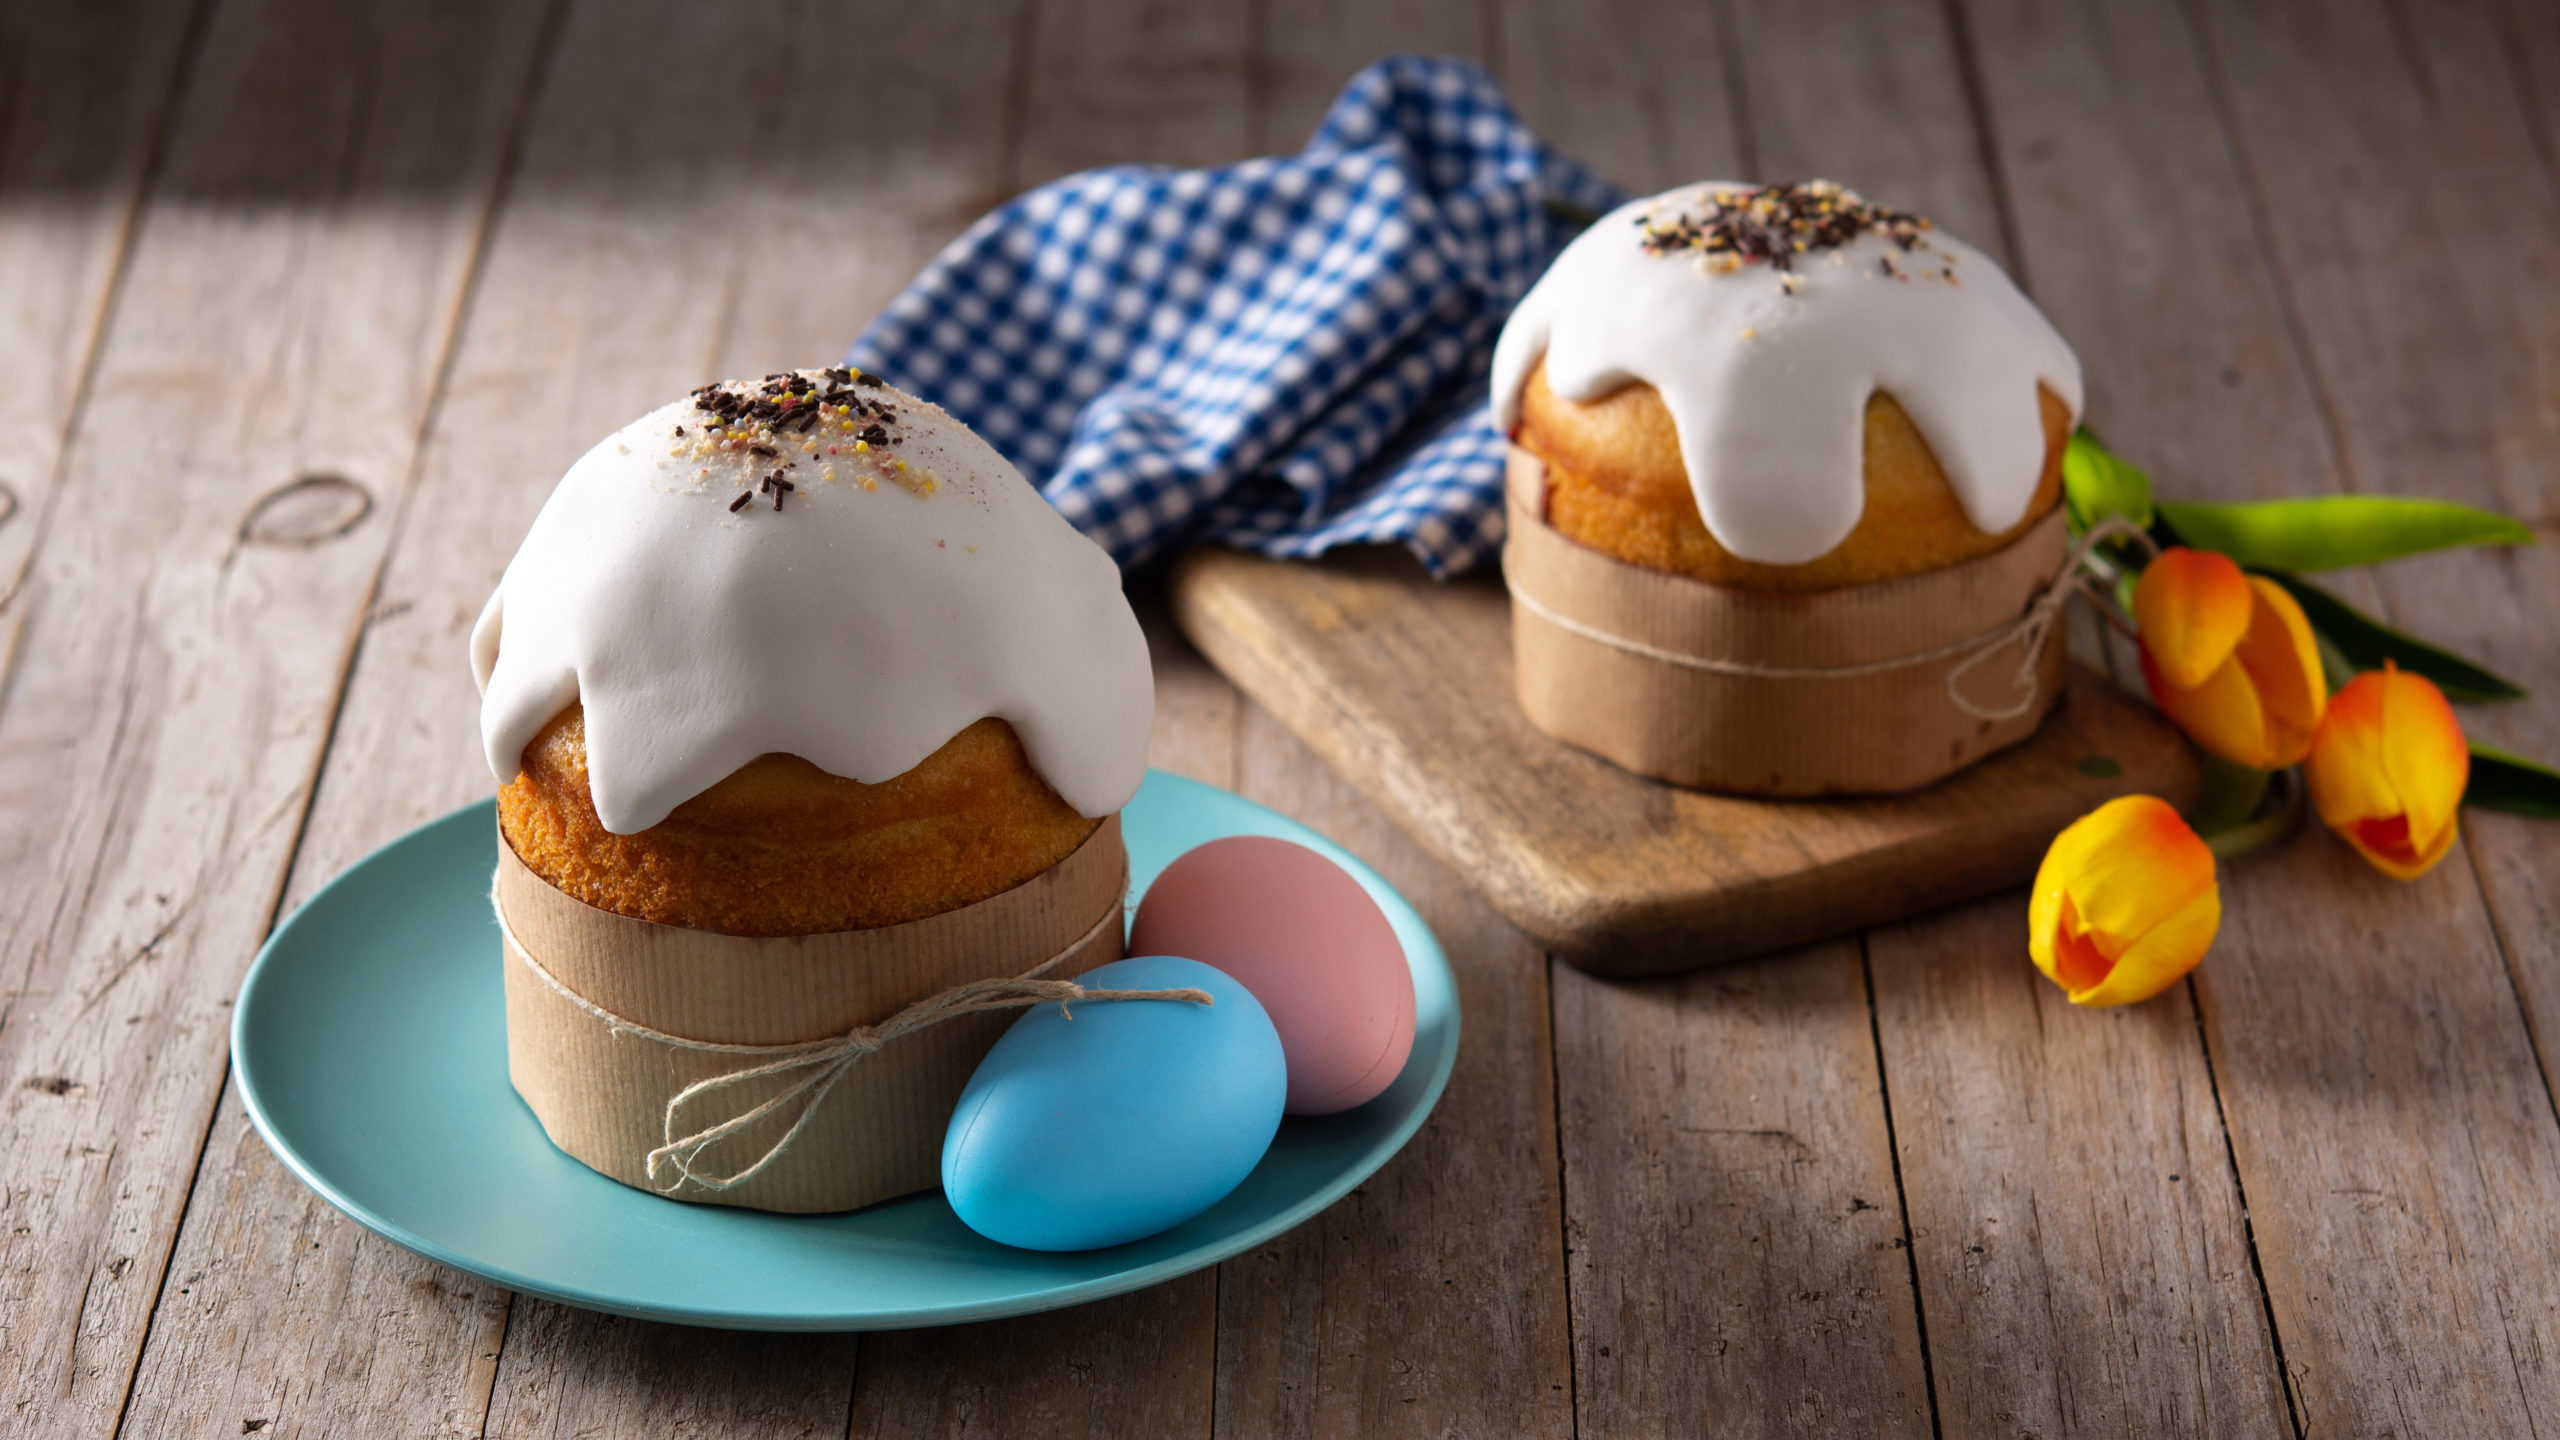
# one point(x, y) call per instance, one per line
point(1738, 225)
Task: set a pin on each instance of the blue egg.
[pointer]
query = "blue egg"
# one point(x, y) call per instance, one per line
point(1112, 1120)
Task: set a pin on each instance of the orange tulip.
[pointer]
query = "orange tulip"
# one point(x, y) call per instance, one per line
point(2230, 658)
point(2124, 904)
point(2388, 770)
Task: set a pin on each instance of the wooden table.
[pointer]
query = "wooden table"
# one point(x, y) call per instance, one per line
point(1891, 1185)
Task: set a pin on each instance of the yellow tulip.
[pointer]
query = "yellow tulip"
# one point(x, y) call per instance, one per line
point(2230, 658)
point(2388, 770)
point(2193, 607)
point(2124, 904)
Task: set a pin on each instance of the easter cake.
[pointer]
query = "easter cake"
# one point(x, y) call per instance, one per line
point(1785, 493)
point(806, 710)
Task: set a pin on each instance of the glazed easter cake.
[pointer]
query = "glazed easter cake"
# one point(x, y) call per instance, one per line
point(806, 708)
point(1784, 507)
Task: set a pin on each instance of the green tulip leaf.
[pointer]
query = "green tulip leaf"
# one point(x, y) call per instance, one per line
point(2500, 781)
point(2367, 642)
point(2332, 532)
point(2096, 484)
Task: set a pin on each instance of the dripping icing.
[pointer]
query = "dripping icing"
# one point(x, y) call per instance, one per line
point(890, 596)
point(1766, 368)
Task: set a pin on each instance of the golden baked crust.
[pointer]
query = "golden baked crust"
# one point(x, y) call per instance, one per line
point(781, 847)
point(1615, 482)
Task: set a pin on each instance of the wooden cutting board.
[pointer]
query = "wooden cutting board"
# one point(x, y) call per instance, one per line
point(1404, 686)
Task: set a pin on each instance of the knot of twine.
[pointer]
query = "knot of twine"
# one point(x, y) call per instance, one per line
point(825, 1060)
point(2027, 631)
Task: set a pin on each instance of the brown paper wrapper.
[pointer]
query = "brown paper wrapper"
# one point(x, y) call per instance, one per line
point(1884, 731)
point(601, 1092)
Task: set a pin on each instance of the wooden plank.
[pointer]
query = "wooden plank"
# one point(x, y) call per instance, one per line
point(1140, 1364)
point(189, 632)
point(2393, 1136)
point(279, 1313)
point(86, 90)
point(1120, 82)
point(1306, 49)
point(2067, 1284)
point(2458, 405)
point(572, 1373)
point(1198, 712)
point(1638, 89)
point(2082, 1253)
point(2479, 431)
point(2530, 36)
point(1871, 96)
point(930, 152)
point(1431, 1300)
point(1739, 1257)
point(2395, 1144)
point(1405, 686)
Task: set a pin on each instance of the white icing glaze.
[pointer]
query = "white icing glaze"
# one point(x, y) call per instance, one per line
point(1767, 373)
point(858, 628)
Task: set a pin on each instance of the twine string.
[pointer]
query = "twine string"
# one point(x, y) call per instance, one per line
point(2028, 631)
point(826, 1060)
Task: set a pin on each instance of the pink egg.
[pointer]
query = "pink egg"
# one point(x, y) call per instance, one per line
point(1296, 930)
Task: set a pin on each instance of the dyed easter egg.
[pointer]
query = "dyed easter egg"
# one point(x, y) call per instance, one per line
point(1309, 943)
point(1109, 1120)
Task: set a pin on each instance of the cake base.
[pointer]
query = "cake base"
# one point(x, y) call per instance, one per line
point(601, 1089)
point(1599, 647)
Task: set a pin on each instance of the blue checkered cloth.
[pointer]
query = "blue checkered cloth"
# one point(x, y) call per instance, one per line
point(1284, 355)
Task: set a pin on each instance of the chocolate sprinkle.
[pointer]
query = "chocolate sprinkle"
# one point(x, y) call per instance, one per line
point(741, 502)
point(1774, 224)
point(756, 417)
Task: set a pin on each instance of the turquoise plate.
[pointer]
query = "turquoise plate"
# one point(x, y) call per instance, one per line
point(370, 1044)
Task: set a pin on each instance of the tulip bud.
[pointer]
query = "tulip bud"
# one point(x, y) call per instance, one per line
point(2193, 607)
point(2388, 770)
point(2230, 658)
point(2124, 904)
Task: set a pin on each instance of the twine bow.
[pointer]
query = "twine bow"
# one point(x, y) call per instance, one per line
point(826, 1060)
point(2028, 631)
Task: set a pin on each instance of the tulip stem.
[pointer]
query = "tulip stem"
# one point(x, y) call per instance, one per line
point(2272, 819)
point(2231, 796)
